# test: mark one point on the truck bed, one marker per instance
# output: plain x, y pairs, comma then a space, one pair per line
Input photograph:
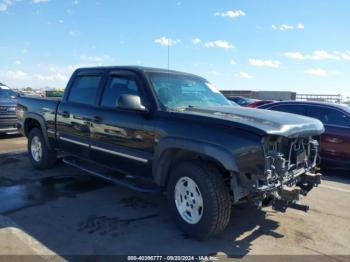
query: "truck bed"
43, 108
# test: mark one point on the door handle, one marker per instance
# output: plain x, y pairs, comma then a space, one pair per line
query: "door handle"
97, 119
65, 114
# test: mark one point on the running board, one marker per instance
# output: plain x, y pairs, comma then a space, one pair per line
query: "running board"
122, 180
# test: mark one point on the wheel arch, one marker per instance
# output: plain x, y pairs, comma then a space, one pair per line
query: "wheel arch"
33, 120
172, 150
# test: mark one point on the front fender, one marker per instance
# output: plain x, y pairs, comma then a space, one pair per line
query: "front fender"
165, 145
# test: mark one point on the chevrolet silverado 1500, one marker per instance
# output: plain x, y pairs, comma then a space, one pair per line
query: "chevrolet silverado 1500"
156, 130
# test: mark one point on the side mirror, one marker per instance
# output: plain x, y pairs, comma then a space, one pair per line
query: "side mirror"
130, 102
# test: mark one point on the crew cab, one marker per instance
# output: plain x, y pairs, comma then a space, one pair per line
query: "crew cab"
7, 110
157, 130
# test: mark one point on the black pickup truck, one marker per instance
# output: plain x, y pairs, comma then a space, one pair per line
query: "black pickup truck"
156, 130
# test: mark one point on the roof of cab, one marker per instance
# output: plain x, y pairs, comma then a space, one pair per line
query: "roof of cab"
141, 69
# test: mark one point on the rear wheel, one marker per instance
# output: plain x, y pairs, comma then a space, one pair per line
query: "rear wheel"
199, 199
40, 155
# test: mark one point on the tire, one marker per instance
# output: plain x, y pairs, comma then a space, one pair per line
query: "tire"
216, 200
47, 158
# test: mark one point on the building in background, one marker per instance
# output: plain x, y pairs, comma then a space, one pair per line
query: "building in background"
320, 98
262, 95
283, 95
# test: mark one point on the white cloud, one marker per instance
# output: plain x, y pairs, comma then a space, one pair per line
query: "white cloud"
231, 13
319, 55
343, 55
295, 55
15, 75
17, 62
315, 72
284, 27
5, 4
39, 1
213, 73
219, 44
268, 63
94, 59
320, 72
196, 41
72, 33
164, 41
24, 51
233, 62
58, 77
245, 75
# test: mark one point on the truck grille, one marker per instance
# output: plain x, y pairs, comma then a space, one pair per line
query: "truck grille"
7, 110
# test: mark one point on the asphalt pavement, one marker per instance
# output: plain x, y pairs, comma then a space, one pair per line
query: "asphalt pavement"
64, 212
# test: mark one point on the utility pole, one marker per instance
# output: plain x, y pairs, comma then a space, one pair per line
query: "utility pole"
168, 54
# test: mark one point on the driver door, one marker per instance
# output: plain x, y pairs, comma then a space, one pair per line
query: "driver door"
122, 139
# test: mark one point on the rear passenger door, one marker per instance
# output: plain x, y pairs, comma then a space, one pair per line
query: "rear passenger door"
122, 139
335, 142
75, 114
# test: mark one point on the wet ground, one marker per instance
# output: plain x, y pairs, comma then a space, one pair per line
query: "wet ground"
68, 213
12, 143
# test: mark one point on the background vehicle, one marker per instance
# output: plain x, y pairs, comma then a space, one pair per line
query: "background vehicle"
8, 101
335, 142
242, 101
157, 130
258, 103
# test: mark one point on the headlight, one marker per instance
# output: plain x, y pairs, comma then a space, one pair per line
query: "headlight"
19, 112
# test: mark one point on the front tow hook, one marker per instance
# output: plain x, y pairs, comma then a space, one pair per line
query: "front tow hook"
311, 178
288, 197
308, 181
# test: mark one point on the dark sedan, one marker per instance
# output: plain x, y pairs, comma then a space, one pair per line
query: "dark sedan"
335, 142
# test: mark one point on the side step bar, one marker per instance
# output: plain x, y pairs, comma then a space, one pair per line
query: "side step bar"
128, 182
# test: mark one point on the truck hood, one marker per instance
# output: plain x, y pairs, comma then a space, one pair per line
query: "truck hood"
263, 121
7, 101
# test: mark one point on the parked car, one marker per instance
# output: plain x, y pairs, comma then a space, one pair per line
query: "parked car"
242, 101
156, 130
335, 142
258, 103
8, 101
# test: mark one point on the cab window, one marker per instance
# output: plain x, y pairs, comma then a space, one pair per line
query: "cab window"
84, 90
329, 116
117, 86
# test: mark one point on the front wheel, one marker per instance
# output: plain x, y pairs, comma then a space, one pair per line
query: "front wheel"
199, 199
40, 155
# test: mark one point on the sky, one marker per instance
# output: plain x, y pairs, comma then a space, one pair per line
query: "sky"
287, 45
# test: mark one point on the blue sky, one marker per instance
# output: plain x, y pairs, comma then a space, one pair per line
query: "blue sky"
290, 45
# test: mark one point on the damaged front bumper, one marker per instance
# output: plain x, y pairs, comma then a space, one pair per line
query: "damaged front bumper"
290, 172
280, 197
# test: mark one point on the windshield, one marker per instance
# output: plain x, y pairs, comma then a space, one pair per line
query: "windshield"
6, 92
183, 91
